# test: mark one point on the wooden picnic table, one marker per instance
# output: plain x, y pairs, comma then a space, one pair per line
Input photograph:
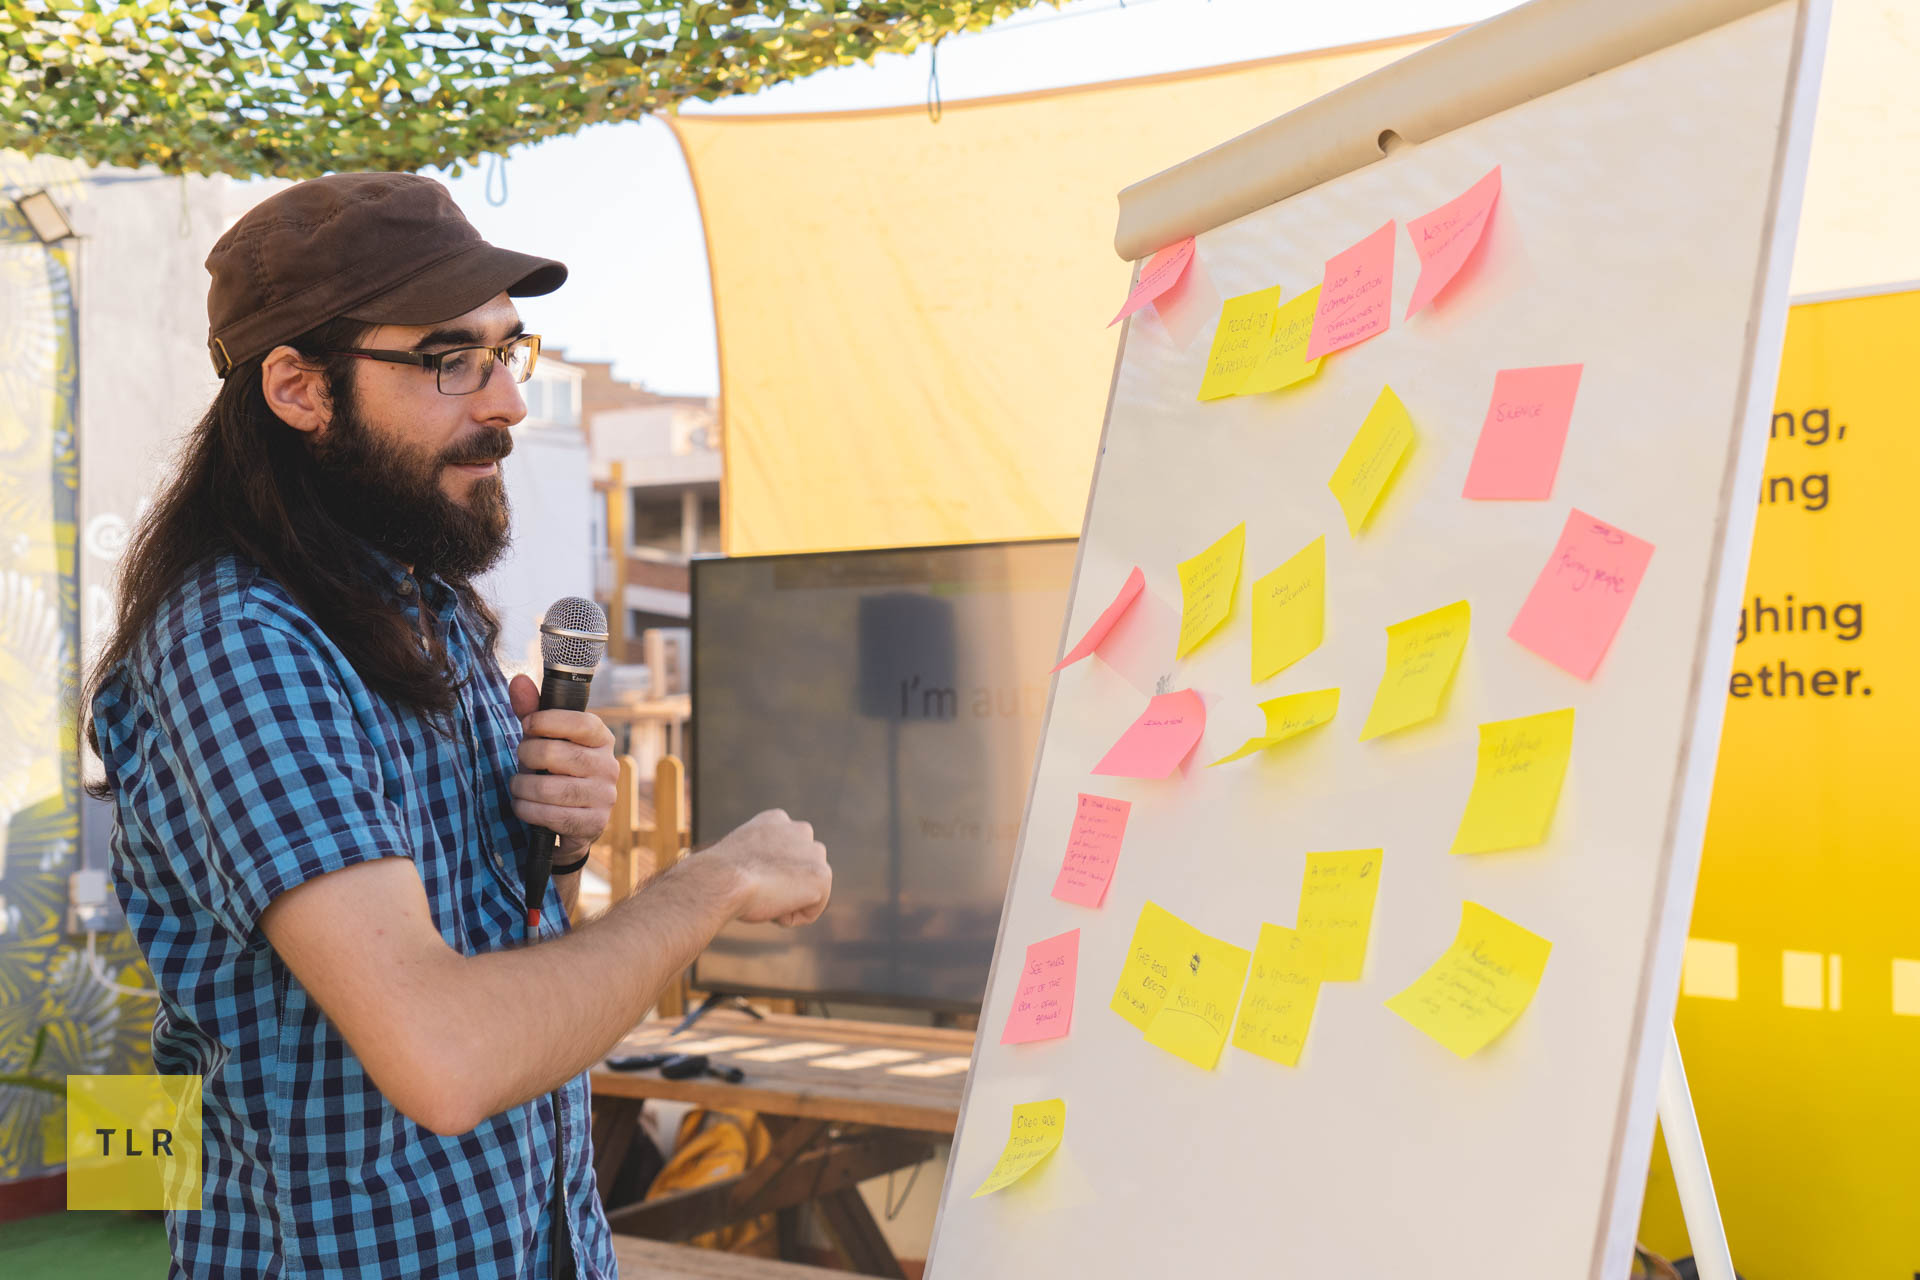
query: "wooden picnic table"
844, 1100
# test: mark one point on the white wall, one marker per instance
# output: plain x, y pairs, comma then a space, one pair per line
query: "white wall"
551, 490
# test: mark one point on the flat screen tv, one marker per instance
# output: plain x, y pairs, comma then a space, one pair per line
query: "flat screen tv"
892, 698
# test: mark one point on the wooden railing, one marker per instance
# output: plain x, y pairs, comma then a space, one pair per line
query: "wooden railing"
637, 850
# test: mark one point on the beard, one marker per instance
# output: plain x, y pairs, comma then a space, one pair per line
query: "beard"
389, 494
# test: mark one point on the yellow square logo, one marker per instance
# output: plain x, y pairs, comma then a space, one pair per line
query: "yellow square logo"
133, 1142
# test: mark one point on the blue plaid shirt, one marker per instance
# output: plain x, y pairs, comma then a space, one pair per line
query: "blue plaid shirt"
246, 756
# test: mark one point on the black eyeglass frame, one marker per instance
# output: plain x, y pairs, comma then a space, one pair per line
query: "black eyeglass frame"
433, 359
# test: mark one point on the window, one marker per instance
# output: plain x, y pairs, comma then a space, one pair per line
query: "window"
710, 523
656, 521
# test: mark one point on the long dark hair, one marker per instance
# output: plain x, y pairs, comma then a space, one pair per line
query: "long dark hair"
245, 483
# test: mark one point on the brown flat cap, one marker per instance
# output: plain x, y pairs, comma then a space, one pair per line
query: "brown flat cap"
387, 248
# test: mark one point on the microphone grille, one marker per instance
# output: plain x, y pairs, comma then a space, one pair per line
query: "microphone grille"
573, 634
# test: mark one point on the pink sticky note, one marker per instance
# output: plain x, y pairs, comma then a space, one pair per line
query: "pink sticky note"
1356, 295
1093, 847
1447, 237
1104, 623
1526, 427
1155, 744
1162, 272
1043, 1002
1582, 595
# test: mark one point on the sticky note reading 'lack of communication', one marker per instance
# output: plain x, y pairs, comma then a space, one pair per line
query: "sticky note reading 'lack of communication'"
1282, 988
1524, 434
1208, 583
1290, 611
1286, 717
1161, 941
1239, 342
1162, 272
1581, 597
1356, 295
1194, 1019
1036, 1132
1446, 238
1285, 362
1090, 642
1336, 906
1154, 745
1422, 655
1093, 850
1372, 459
1479, 986
1043, 1002
1516, 784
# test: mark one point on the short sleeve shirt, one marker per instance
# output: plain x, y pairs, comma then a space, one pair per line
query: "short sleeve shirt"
246, 757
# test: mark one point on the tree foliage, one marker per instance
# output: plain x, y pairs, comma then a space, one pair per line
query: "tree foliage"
296, 88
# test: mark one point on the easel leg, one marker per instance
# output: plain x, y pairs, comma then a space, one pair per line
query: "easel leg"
1690, 1177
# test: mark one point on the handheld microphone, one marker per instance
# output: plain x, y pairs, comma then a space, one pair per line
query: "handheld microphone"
573, 635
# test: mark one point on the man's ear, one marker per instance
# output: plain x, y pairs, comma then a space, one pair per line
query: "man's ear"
295, 390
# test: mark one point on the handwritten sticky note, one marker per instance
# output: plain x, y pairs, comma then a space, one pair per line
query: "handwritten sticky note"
1197, 1014
1290, 611
1282, 987
1581, 597
1285, 361
1097, 633
1479, 985
1208, 583
1240, 342
1287, 716
1524, 433
1516, 783
1422, 655
1043, 1002
1446, 238
1093, 849
1161, 940
1336, 906
1035, 1134
1356, 295
1372, 459
1155, 744
1162, 272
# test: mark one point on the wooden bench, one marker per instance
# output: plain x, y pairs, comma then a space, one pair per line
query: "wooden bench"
654, 1260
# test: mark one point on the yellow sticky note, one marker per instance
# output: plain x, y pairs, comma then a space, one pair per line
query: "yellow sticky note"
1294, 714
1239, 342
1036, 1132
1372, 459
1422, 655
1290, 611
1288, 967
1517, 782
1336, 906
1480, 984
1198, 1012
1207, 585
1161, 940
1285, 361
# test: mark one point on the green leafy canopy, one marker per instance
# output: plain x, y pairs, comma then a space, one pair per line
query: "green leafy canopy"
297, 88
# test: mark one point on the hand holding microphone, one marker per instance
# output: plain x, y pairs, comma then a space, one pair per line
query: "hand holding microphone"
567, 781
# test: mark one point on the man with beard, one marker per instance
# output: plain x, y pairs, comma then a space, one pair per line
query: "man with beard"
322, 783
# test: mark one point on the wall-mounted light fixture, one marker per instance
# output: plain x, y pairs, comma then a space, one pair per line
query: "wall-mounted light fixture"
45, 216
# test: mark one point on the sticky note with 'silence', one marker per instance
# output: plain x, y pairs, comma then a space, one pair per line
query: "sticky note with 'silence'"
1524, 433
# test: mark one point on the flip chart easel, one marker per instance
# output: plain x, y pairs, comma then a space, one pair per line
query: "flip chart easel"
1643, 230
1688, 1155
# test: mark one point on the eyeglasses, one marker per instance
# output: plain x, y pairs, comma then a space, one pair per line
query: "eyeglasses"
463, 370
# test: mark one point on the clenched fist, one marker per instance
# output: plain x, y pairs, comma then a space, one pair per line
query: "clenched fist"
782, 872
